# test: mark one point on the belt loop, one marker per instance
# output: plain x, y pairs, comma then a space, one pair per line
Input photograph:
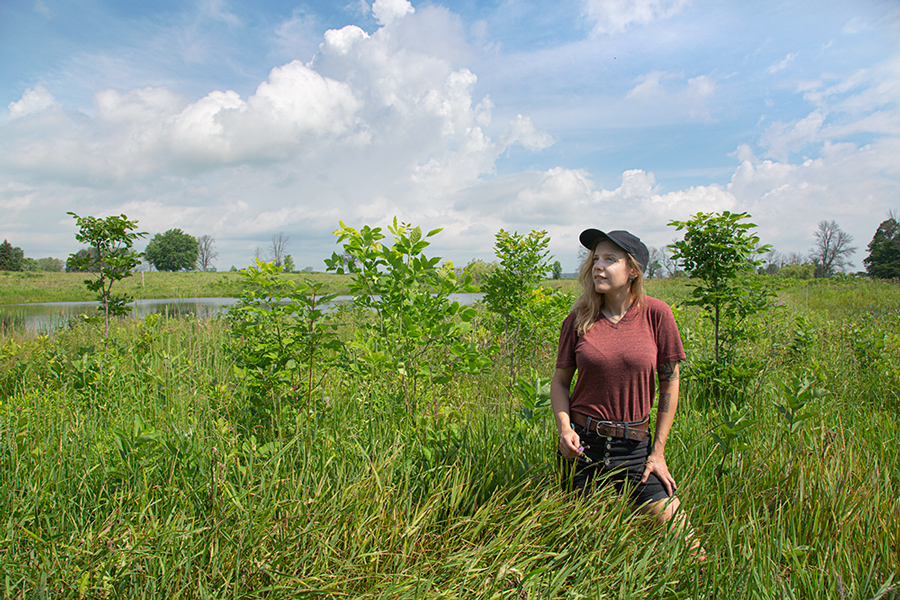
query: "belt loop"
626, 430
587, 424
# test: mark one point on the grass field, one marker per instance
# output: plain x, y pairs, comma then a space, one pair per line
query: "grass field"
25, 287
137, 469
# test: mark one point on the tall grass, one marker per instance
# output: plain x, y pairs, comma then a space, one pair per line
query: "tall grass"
141, 473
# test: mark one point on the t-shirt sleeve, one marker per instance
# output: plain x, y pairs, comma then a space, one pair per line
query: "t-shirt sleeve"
668, 339
565, 354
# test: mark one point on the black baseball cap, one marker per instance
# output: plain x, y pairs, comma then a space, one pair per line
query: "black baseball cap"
628, 242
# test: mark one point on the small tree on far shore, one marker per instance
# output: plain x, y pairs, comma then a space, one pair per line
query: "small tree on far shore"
11, 257
278, 247
206, 252
655, 265
173, 250
832, 251
668, 266
111, 258
557, 270
49, 264
883, 261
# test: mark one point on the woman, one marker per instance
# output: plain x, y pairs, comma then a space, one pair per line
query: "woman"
620, 342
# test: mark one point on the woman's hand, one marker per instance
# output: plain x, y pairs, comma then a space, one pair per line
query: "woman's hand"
569, 443
665, 415
656, 463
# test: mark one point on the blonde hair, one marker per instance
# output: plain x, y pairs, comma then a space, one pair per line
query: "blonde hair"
587, 307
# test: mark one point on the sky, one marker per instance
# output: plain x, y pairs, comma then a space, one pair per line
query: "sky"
242, 120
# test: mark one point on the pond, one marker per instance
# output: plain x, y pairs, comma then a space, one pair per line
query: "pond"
48, 316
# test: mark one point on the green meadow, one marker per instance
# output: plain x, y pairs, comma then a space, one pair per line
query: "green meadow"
40, 286
145, 466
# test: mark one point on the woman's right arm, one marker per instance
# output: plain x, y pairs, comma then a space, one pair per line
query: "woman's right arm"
569, 442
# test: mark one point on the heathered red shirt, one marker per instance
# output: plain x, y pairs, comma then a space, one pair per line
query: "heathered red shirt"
616, 363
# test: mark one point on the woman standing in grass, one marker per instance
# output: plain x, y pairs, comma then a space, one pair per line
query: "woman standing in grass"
620, 342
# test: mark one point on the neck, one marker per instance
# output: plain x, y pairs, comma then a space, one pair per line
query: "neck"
617, 303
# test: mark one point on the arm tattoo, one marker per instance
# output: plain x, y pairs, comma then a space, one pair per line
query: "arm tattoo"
668, 371
664, 399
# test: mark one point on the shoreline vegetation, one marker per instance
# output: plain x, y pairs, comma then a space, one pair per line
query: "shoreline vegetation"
839, 294
139, 465
36, 286
25, 287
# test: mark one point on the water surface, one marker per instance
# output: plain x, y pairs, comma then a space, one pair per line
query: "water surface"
39, 317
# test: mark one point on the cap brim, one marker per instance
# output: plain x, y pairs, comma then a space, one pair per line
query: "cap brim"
590, 237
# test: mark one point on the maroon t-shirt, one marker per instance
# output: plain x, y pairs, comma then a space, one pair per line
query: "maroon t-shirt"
616, 363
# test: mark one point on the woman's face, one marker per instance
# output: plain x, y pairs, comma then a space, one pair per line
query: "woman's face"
610, 271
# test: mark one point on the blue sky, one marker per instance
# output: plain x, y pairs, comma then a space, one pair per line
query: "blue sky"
242, 120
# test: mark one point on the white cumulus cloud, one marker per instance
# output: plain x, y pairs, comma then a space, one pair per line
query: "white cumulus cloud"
388, 11
523, 131
374, 125
341, 41
33, 100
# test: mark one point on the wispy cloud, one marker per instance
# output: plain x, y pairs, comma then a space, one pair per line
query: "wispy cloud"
617, 16
782, 64
673, 95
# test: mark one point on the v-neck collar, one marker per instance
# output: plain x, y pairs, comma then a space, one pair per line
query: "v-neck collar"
626, 317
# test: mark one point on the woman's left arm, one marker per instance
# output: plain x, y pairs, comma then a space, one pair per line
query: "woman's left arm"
665, 415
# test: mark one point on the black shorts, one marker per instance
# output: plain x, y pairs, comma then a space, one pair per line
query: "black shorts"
615, 461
